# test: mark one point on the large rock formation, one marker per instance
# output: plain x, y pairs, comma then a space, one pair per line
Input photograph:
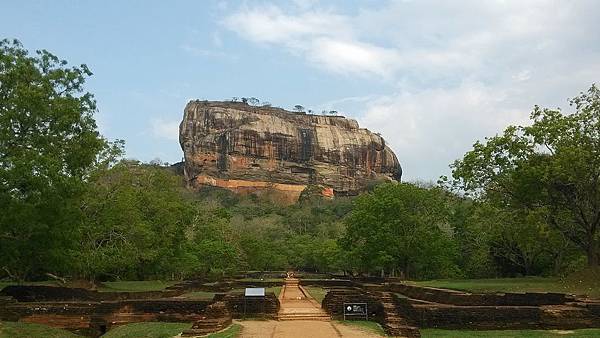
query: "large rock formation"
252, 149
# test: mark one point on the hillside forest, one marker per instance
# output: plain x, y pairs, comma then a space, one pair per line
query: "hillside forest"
523, 202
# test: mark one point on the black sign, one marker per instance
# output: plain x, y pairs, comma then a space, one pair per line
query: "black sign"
355, 310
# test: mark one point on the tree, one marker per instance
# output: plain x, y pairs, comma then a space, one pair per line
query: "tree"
298, 108
401, 227
134, 223
49, 144
551, 166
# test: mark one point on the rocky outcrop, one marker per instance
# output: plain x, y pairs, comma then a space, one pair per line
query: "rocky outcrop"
256, 149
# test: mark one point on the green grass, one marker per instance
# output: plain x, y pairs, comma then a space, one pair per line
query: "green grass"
316, 292
120, 286
147, 330
135, 286
27, 330
271, 280
275, 289
163, 330
366, 325
524, 284
199, 295
426, 333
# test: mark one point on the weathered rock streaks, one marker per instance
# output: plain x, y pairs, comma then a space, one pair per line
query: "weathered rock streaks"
251, 149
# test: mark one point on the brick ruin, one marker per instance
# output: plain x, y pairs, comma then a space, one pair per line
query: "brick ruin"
93, 313
401, 309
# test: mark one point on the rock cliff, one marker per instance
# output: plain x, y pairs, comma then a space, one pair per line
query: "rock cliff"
255, 149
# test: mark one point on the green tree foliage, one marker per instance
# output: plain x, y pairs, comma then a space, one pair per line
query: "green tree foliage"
49, 143
401, 227
134, 222
70, 209
551, 167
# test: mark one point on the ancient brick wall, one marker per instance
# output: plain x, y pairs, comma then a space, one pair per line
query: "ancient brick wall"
490, 299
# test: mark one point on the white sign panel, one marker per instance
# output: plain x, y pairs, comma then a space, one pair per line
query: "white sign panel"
254, 292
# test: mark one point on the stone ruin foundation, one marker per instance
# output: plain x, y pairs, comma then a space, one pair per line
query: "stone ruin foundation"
401, 309
92, 313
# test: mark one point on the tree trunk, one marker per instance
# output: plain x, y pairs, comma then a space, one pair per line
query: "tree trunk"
593, 256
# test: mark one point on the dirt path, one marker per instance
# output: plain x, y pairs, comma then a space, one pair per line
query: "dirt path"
301, 328
297, 304
300, 316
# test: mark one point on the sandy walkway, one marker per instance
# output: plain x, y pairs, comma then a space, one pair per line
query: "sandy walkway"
301, 328
294, 303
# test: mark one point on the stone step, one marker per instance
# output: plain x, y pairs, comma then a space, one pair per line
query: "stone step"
402, 331
303, 316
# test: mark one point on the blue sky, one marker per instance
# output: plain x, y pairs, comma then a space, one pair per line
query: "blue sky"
431, 76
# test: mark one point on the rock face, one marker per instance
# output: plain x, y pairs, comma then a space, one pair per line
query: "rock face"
251, 149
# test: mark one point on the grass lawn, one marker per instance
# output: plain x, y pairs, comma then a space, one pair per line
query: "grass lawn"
48, 283
147, 330
199, 295
275, 289
135, 286
163, 330
27, 330
426, 333
120, 286
367, 325
278, 280
316, 292
524, 284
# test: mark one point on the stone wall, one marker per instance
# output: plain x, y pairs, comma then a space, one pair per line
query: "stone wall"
503, 317
448, 309
327, 283
41, 293
241, 306
334, 300
94, 318
445, 296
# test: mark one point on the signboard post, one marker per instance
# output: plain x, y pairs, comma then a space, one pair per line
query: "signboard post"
356, 310
254, 294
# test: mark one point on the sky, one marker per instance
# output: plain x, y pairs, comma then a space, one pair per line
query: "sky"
431, 76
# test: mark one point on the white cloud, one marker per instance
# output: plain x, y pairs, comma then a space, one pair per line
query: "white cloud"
165, 129
349, 56
450, 72
429, 129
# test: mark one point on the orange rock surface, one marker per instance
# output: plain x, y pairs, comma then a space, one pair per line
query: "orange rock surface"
250, 149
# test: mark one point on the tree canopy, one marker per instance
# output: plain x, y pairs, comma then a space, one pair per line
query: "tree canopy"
401, 227
49, 144
551, 167
529, 201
